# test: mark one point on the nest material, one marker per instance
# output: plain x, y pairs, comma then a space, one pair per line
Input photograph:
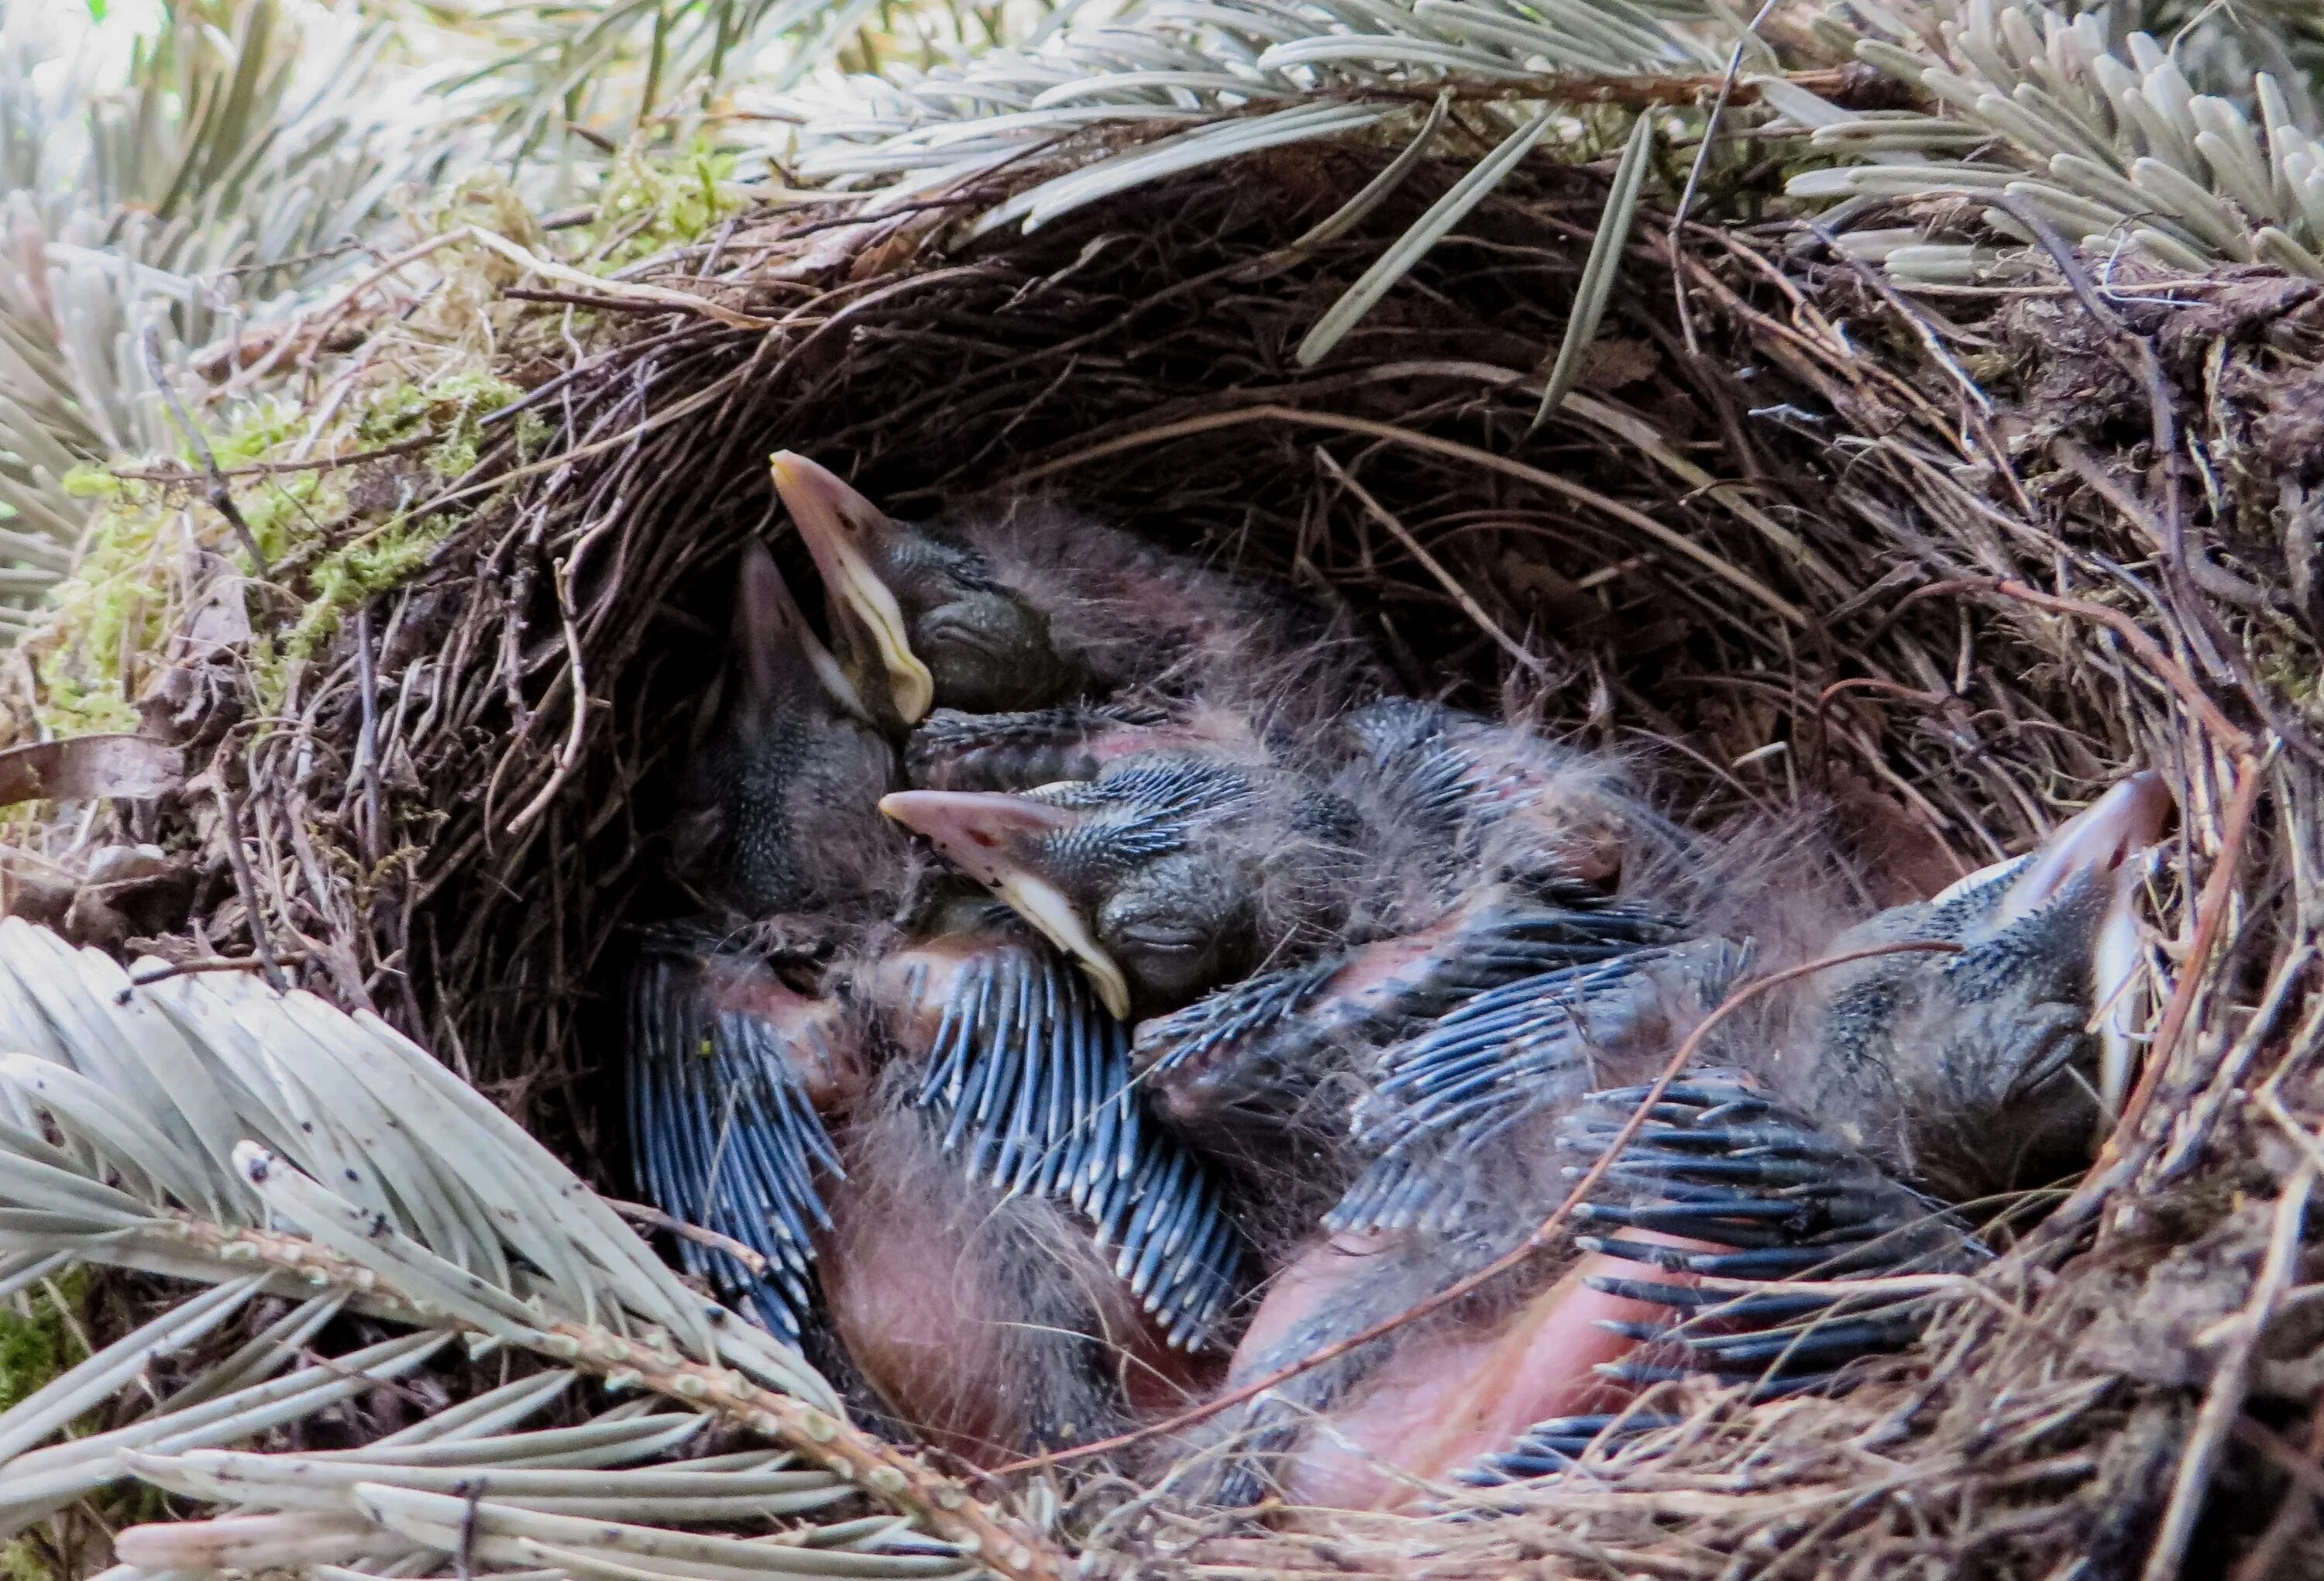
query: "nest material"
1945, 566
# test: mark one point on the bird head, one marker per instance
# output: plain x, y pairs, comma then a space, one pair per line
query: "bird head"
1994, 1060
780, 787
917, 612
1153, 876
780, 667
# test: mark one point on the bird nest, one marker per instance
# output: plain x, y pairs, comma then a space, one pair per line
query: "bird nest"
1942, 566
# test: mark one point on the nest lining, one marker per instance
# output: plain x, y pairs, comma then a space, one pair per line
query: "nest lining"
1912, 561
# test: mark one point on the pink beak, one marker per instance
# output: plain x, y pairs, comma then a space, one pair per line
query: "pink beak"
986, 835
837, 525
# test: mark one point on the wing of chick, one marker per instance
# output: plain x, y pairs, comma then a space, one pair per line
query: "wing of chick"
728, 1072
1018, 1255
987, 1323
1024, 1079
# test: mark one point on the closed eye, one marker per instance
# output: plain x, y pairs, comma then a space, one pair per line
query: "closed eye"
1162, 937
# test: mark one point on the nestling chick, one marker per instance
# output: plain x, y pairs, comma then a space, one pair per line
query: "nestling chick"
1022, 607
1489, 856
1017, 1256
1857, 1104
781, 797
1168, 874
948, 1024
729, 1066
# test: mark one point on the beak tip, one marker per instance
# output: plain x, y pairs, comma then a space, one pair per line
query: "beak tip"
1112, 991
913, 809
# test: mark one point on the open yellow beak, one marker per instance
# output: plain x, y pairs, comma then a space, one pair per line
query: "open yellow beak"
980, 832
835, 521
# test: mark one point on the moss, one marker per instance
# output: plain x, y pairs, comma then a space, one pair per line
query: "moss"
344, 578
320, 546
653, 201
37, 1344
534, 434
453, 405
21, 1560
114, 608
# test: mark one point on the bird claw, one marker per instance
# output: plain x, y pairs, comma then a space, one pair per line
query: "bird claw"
1031, 1078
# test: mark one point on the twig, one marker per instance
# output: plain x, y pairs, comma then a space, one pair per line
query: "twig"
2223, 1402
2193, 1124
2182, 553
639, 1213
2213, 579
1542, 1233
190, 968
570, 759
2166, 669
1727, 81
368, 733
230, 808
612, 290
2210, 915
463, 1552
1429, 563
271, 468
595, 302
220, 497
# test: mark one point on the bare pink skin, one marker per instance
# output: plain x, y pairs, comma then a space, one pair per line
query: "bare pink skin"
821, 1049
922, 1299
911, 1314
910, 988
1565, 809
1453, 1392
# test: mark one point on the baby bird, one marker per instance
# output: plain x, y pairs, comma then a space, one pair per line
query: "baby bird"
1312, 904
1829, 1126
1018, 1255
1062, 626
729, 1065
899, 1082
1168, 874
1492, 857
